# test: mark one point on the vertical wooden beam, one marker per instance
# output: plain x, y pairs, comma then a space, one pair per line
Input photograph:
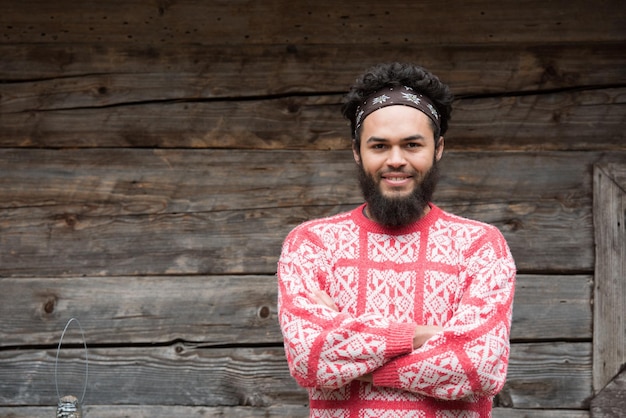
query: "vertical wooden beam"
609, 216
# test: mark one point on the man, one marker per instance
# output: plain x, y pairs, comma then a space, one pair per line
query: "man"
397, 308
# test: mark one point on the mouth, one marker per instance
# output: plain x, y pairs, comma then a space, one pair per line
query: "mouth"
396, 179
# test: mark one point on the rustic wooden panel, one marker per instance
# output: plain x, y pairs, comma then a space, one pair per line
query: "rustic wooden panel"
540, 376
220, 310
44, 76
270, 76
609, 336
325, 22
585, 119
121, 212
279, 411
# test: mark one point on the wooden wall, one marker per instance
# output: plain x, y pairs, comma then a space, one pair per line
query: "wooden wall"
154, 154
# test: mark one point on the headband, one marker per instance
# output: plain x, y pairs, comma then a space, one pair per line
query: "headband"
398, 95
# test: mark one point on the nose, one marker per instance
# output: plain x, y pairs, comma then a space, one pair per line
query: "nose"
396, 157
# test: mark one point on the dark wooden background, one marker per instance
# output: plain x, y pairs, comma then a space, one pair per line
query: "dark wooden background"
154, 154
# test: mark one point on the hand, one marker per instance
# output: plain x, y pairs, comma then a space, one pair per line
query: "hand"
321, 298
423, 333
366, 378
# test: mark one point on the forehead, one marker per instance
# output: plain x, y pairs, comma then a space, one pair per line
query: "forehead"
397, 120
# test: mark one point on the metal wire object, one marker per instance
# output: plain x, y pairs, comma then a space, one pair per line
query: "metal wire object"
69, 406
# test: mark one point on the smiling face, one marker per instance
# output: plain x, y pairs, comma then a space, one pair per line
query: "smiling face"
397, 157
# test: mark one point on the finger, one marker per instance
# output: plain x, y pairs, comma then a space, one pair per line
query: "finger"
325, 299
314, 299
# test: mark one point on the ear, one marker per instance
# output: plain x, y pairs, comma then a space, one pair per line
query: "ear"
439, 149
356, 153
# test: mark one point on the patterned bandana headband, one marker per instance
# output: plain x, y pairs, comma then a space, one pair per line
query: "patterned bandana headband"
398, 95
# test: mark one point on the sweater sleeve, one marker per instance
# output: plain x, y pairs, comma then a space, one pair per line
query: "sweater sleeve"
470, 356
325, 348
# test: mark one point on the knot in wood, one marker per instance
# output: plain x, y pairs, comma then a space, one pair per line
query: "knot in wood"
264, 312
70, 219
514, 225
49, 305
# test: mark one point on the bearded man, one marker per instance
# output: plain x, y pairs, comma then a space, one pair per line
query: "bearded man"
397, 308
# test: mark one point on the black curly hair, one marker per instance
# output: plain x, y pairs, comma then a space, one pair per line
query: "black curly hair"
398, 74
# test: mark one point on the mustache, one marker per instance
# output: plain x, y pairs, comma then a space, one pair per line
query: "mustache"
398, 171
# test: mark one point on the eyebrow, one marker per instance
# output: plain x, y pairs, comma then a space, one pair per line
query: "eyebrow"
416, 137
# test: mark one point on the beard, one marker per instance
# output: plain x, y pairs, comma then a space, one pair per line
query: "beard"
397, 212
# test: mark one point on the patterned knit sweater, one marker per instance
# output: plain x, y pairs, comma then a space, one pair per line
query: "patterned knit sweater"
443, 270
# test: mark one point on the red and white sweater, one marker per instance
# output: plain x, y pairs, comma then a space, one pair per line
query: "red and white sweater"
444, 270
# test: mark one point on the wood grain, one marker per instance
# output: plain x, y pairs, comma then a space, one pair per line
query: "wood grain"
52, 75
120, 212
154, 154
279, 411
568, 120
322, 22
611, 401
609, 205
540, 375
228, 310
118, 182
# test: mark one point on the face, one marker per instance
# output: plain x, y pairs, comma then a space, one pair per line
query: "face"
397, 159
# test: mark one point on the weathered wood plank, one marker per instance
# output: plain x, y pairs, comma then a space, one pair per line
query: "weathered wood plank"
567, 119
116, 182
278, 411
222, 310
553, 121
540, 376
325, 22
162, 411
545, 304
124, 212
609, 335
171, 375
539, 413
237, 242
548, 375
216, 310
45, 76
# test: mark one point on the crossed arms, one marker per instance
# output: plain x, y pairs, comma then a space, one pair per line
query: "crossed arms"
467, 355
